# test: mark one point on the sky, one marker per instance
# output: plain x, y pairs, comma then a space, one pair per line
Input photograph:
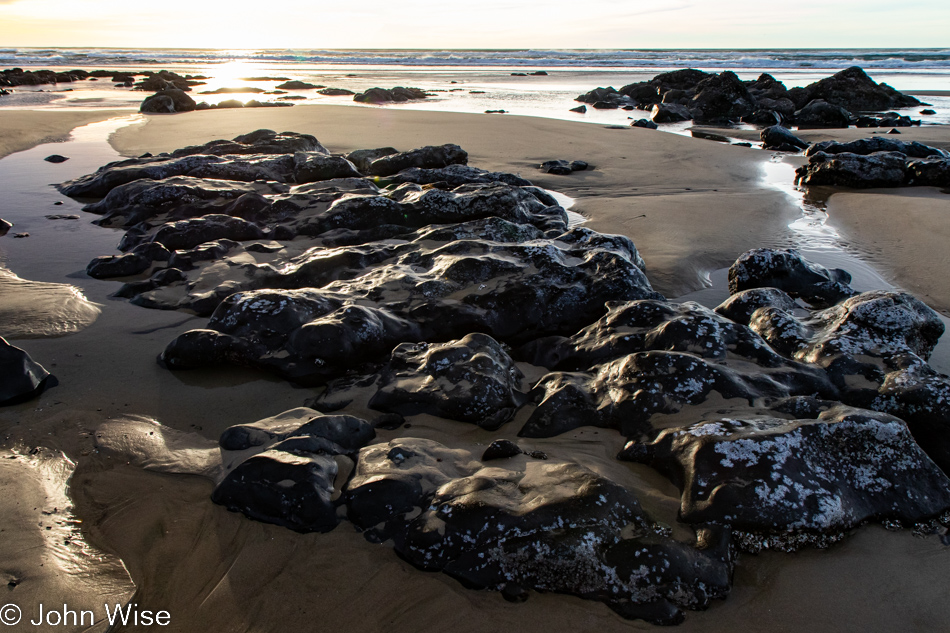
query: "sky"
466, 24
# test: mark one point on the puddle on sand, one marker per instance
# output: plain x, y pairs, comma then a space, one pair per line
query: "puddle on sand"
54, 246
33, 301
818, 243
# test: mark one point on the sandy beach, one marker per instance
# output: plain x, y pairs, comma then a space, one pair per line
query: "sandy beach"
139, 441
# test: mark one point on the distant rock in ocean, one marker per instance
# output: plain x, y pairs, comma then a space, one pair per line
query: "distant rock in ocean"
836, 101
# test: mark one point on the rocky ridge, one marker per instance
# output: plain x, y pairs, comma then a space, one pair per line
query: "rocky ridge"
846, 98
409, 283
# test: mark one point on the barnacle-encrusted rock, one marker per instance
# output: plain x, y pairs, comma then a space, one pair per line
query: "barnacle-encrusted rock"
787, 270
543, 525
470, 380
824, 475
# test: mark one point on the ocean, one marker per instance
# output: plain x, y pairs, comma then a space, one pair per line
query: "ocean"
464, 80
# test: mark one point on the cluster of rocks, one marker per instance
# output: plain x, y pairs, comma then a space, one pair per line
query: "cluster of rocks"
874, 162
13, 77
689, 94
406, 283
390, 95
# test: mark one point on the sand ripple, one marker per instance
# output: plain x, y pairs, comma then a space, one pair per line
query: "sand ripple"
36, 309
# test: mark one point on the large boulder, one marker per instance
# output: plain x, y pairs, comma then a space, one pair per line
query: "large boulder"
818, 476
670, 113
781, 139
881, 169
722, 98
168, 101
854, 91
547, 525
822, 114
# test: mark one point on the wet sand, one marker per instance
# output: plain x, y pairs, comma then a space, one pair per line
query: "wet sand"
141, 487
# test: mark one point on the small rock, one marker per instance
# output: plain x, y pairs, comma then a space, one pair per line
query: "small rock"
21, 235
56, 158
644, 123
5, 226
581, 108
501, 449
893, 130
928, 111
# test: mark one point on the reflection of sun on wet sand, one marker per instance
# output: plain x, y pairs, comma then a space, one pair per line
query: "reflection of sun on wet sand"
36, 309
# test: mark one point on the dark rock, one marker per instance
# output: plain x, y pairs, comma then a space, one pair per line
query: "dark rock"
880, 169
229, 103
21, 235
608, 96
5, 227
190, 233
458, 175
557, 167
169, 100
496, 111
501, 449
56, 158
670, 113
109, 266
538, 73
470, 380
721, 98
605, 105
928, 111
335, 92
866, 146
429, 157
315, 166
298, 85
787, 270
283, 488
893, 131
709, 136
780, 138
363, 157
763, 117
929, 172
853, 90
581, 108
553, 526
821, 114
165, 80
21, 378
801, 476
644, 123
394, 95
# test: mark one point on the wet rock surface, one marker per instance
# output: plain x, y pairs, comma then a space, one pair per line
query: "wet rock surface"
410, 290
21, 378
839, 101
874, 162
390, 95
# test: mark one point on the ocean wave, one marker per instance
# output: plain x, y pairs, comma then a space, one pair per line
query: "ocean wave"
903, 59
